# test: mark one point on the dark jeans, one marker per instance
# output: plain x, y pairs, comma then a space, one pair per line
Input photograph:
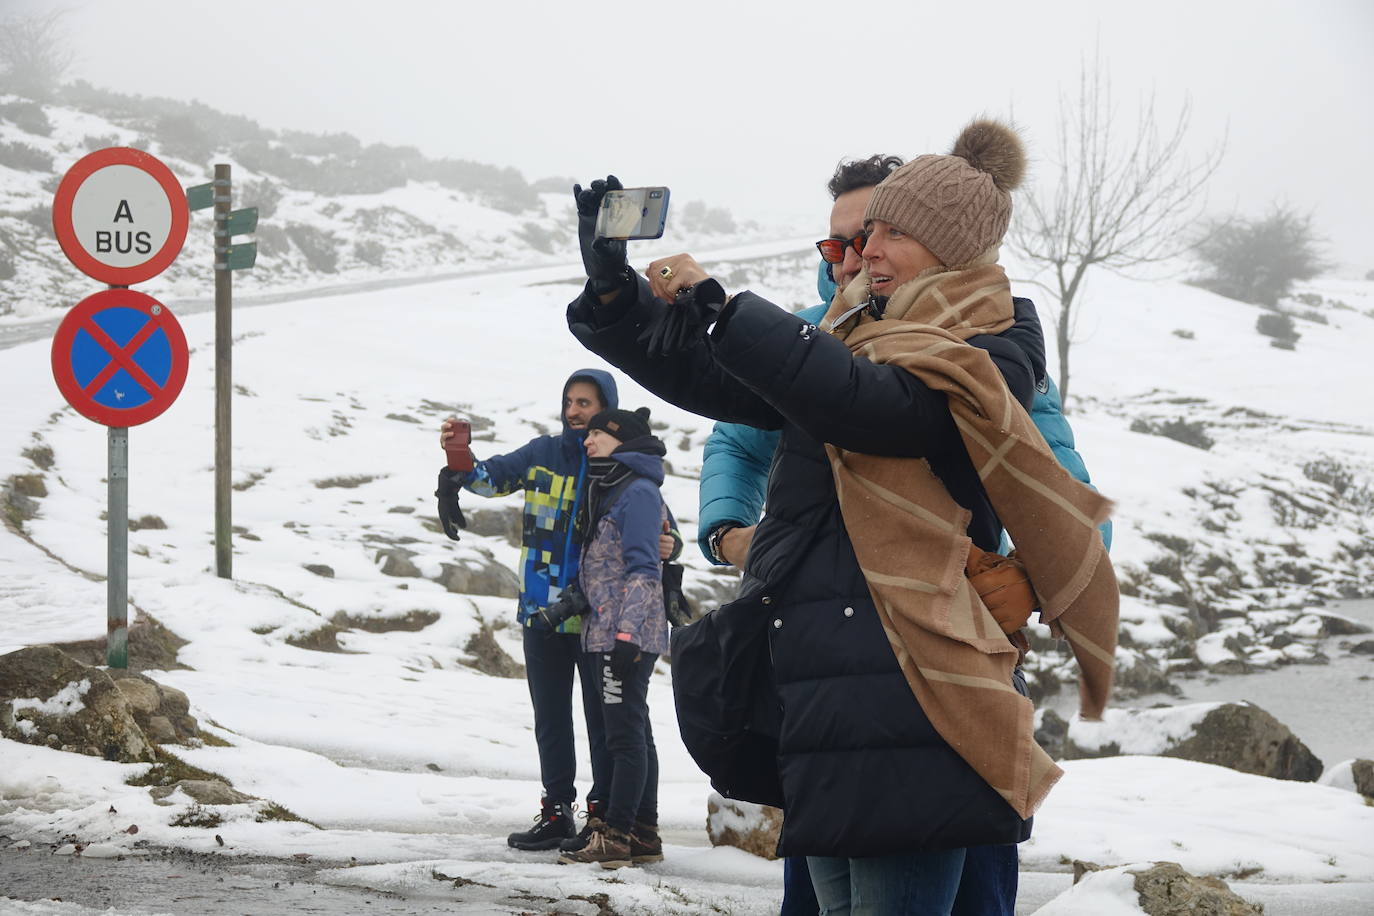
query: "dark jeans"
907, 884
550, 659
798, 896
624, 711
988, 885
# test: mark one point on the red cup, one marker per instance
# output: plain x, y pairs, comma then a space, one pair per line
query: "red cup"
456, 446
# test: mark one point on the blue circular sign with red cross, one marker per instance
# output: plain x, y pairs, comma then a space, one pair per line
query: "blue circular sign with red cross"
119, 357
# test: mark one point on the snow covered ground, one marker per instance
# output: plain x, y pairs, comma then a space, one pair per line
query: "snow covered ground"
413, 765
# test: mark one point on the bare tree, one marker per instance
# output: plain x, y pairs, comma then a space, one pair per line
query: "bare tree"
34, 55
1119, 200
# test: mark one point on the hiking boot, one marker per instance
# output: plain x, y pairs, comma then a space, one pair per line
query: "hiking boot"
606, 846
553, 825
595, 814
645, 844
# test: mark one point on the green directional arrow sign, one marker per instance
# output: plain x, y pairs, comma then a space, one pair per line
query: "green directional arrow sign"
238, 257
242, 221
200, 196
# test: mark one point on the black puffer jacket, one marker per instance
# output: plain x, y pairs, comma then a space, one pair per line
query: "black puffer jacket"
863, 772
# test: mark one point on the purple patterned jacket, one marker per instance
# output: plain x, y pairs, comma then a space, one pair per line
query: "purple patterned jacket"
620, 570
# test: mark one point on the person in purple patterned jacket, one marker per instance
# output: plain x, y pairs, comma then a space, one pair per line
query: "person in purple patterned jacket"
621, 516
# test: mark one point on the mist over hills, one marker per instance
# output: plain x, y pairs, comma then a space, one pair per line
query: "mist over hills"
331, 209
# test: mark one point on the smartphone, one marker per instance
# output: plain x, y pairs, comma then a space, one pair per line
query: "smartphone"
633, 213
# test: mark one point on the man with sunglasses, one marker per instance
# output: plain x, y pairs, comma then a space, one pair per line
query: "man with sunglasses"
734, 476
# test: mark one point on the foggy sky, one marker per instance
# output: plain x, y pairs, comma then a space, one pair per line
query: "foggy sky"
750, 105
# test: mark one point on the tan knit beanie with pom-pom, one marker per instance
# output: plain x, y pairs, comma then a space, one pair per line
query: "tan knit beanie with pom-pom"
959, 205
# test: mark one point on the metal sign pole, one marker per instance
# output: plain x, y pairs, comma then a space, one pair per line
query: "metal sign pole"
117, 565
224, 339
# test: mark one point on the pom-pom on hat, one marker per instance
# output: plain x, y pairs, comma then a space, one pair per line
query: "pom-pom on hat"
958, 205
623, 424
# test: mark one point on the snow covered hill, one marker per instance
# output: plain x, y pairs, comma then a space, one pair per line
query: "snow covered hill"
330, 211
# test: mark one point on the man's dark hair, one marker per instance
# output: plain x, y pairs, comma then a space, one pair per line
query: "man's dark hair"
861, 173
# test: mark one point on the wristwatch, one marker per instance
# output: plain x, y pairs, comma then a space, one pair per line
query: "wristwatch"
713, 541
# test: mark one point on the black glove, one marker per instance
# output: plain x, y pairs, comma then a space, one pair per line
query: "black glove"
603, 259
450, 516
685, 319
623, 659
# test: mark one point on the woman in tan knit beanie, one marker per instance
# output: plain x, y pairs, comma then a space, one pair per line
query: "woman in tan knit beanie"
885, 720
948, 211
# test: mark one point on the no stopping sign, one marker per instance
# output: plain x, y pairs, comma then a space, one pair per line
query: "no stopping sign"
119, 357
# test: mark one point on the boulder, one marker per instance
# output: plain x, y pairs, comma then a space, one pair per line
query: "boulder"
49, 698
204, 791
1340, 625
488, 657
1138, 674
506, 522
485, 577
162, 712
1352, 776
1162, 889
1363, 773
1050, 733
1240, 736
744, 825
395, 561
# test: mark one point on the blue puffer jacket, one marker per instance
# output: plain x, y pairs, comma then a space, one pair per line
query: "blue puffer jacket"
736, 460
550, 469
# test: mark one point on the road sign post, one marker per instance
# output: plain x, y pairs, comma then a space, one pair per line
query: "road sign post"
228, 258
117, 550
224, 378
119, 357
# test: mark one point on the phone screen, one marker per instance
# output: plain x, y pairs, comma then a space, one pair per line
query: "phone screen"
633, 213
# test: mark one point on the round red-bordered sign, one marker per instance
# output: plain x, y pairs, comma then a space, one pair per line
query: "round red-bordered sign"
119, 357
120, 215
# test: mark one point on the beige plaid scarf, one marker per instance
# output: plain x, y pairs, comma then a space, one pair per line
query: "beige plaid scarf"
909, 534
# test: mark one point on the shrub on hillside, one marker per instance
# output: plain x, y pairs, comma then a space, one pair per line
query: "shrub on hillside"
1280, 327
27, 116
272, 240
319, 247
265, 194
1260, 260
1180, 430
184, 136
697, 217
370, 252
25, 158
92, 142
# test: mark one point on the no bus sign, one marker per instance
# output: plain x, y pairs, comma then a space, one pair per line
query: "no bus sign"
120, 216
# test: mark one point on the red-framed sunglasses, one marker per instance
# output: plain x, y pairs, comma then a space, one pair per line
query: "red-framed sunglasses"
832, 250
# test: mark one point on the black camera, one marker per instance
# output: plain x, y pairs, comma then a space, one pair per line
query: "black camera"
571, 603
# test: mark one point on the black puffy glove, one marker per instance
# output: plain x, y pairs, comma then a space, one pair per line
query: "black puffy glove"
603, 259
623, 659
450, 516
685, 319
